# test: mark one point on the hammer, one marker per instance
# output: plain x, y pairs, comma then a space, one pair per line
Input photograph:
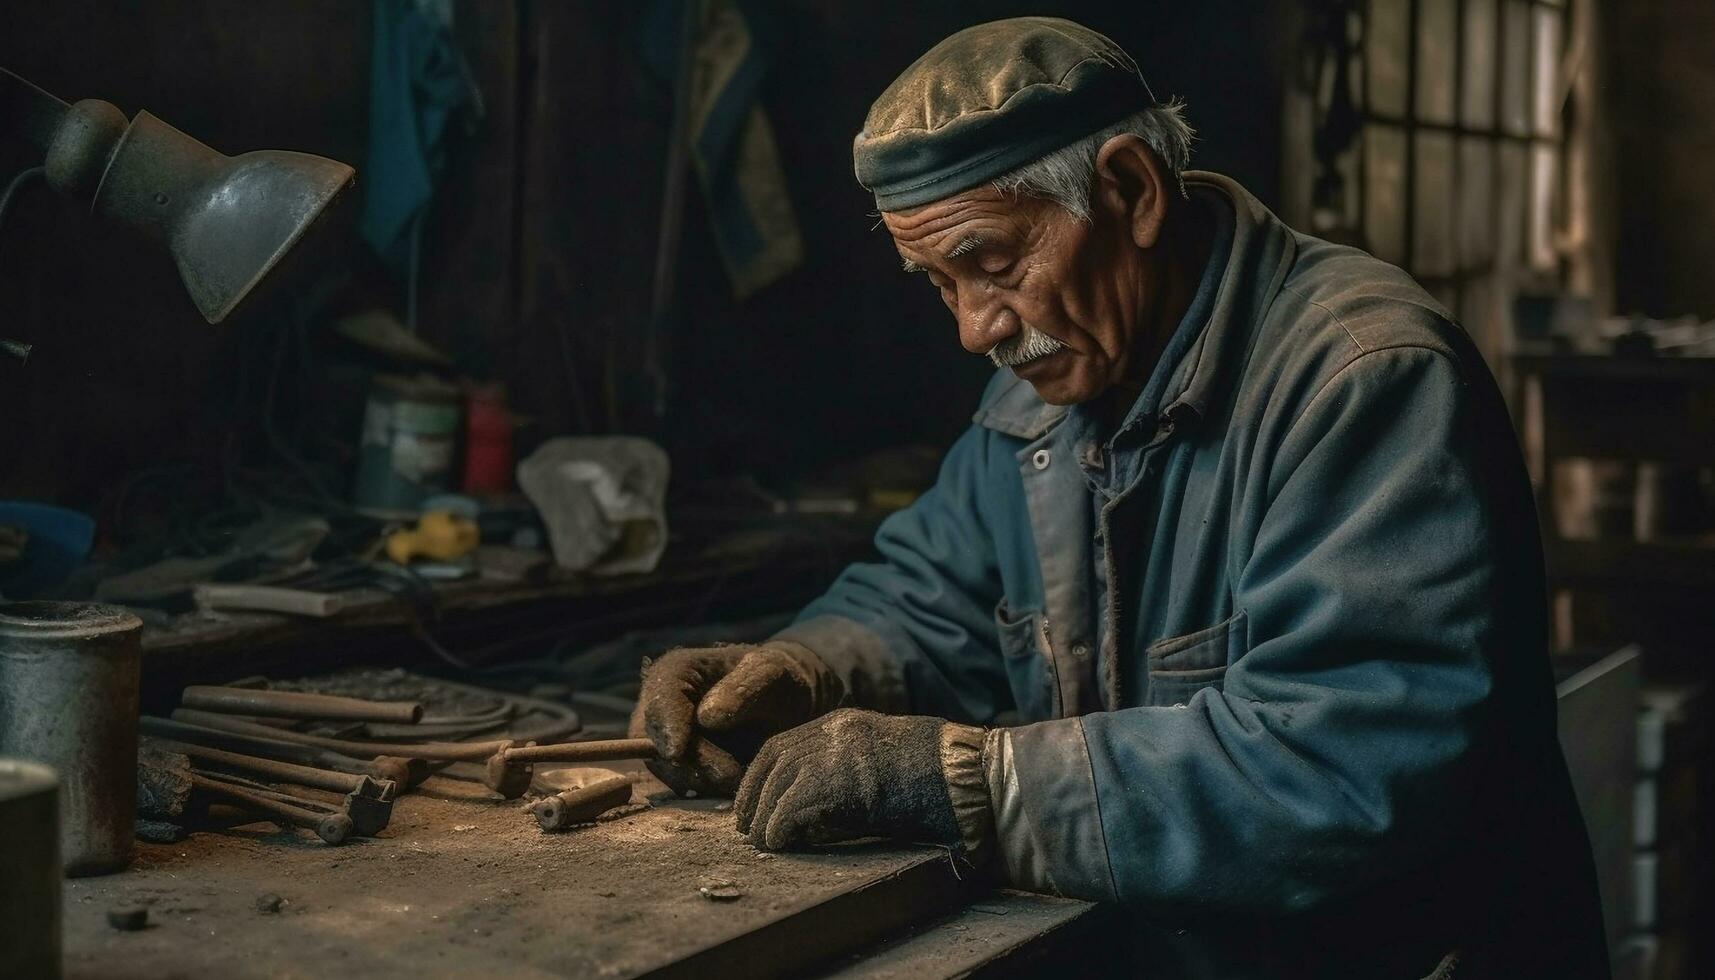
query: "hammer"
369, 803
166, 788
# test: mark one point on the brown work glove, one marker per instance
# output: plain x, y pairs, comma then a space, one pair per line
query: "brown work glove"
708, 708
854, 773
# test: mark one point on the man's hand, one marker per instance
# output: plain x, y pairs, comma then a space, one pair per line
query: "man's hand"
693, 698
861, 774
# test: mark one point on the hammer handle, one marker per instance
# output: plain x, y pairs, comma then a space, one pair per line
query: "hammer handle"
583, 804
256, 745
602, 750
288, 772
331, 827
298, 704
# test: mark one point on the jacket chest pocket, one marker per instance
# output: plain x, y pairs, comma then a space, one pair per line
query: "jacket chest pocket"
1180, 666
1024, 649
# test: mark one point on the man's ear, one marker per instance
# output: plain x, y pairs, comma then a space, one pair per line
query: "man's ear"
1132, 185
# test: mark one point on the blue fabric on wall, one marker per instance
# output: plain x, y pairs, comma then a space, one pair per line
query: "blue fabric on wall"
417, 84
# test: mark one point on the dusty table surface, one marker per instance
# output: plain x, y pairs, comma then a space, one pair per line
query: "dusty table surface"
458, 885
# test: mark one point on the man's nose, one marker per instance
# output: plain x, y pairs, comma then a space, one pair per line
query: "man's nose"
984, 321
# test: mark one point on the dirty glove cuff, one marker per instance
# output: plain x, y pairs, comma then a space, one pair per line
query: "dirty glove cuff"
967, 788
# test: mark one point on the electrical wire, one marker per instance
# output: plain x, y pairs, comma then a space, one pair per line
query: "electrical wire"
15, 185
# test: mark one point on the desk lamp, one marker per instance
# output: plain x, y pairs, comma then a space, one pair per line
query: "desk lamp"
226, 221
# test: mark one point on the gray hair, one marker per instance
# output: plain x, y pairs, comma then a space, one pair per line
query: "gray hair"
1067, 175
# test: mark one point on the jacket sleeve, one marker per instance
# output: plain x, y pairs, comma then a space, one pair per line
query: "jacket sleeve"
1340, 741
915, 631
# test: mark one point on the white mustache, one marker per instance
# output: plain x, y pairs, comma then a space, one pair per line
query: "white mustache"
1023, 348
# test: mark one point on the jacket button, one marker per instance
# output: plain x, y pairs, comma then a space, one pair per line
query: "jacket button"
1040, 459
1080, 650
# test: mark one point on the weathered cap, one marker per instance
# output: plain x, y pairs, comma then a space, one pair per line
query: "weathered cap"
988, 100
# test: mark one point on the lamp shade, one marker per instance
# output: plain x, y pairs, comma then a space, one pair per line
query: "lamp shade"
226, 220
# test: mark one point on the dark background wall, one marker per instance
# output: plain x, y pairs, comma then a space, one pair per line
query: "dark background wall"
1661, 105
538, 256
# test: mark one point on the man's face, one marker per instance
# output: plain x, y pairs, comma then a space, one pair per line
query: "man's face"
1055, 299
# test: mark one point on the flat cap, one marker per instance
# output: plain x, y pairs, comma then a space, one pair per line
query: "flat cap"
988, 100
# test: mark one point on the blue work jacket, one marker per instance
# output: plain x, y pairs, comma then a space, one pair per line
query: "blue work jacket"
1269, 665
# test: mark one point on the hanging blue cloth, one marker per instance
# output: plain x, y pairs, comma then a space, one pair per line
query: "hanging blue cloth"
418, 82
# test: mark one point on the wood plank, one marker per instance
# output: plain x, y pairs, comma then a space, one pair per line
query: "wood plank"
1003, 933
461, 886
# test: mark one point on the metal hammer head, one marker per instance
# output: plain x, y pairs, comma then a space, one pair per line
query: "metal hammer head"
406, 772
509, 779
369, 806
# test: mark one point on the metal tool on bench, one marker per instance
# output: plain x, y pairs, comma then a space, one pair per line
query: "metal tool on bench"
298, 704
167, 788
333, 828
507, 764
515, 766
268, 792
583, 804
506, 785
406, 773
368, 802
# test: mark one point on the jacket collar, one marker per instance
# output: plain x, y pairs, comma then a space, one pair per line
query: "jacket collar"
1262, 251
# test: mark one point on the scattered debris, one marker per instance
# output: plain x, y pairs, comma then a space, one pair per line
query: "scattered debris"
724, 891
269, 903
464, 826
128, 918
723, 807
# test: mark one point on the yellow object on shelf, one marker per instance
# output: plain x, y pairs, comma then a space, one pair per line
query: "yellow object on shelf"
440, 535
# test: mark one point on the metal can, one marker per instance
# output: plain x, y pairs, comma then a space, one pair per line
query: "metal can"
29, 870
405, 454
69, 674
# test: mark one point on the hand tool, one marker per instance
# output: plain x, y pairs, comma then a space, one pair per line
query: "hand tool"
405, 773
512, 767
298, 704
509, 782
166, 788
304, 803
583, 804
368, 802
330, 827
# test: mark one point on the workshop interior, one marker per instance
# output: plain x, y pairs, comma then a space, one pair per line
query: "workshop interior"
479, 496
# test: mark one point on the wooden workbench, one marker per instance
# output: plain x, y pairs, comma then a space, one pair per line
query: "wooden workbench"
463, 885
459, 885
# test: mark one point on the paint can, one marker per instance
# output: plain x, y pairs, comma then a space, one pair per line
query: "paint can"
29, 870
69, 674
410, 426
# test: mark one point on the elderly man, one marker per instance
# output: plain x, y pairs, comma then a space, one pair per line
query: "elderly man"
1238, 566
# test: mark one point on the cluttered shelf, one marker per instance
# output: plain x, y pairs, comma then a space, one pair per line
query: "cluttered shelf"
713, 567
